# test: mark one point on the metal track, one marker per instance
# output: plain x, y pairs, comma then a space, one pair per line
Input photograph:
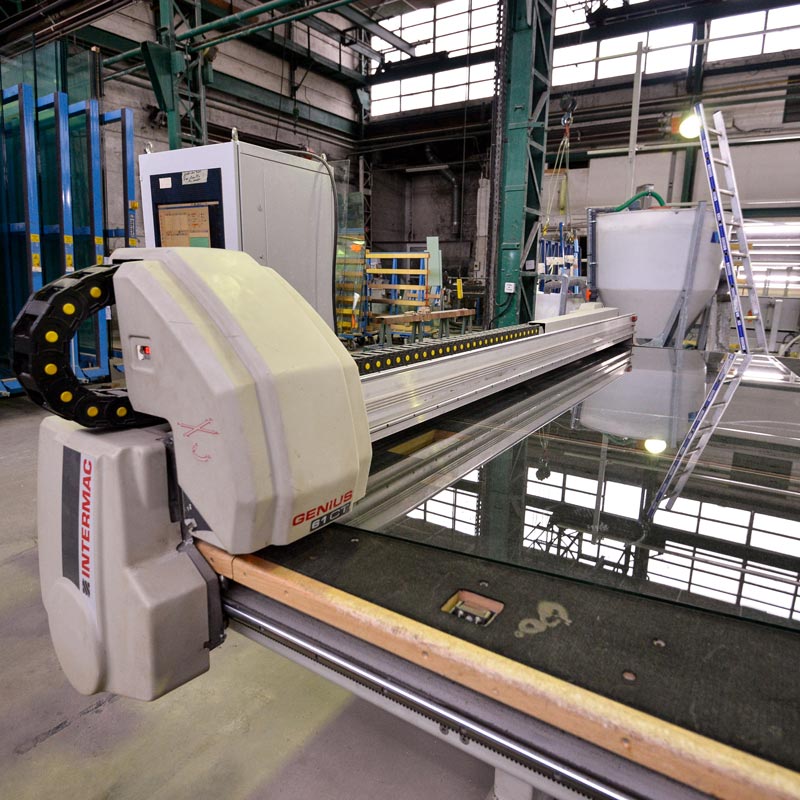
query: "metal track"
378, 359
390, 689
412, 393
403, 485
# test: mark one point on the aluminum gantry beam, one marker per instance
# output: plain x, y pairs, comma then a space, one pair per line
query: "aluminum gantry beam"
405, 396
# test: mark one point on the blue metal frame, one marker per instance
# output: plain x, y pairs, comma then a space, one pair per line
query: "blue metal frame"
96, 177
129, 177
22, 169
125, 117
93, 363
30, 225
64, 230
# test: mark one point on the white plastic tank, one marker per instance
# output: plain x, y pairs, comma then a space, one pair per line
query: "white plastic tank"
642, 264
657, 399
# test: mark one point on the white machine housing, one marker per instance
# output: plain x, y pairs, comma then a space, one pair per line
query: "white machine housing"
127, 611
271, 437
279, 208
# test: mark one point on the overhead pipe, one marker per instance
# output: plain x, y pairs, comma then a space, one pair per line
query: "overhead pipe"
448, 173
231, 19
46, 17
214, 25
638, 196
40, 13
292, 16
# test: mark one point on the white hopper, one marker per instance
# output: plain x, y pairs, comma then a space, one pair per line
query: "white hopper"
642, 262
657, 399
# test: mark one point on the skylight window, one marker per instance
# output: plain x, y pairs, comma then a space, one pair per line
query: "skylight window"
458, 27
678, 39
741, 45
782, 40
623, 64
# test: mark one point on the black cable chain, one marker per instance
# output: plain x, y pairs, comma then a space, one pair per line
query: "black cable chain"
43, 334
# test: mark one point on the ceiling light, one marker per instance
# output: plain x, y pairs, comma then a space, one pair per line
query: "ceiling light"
655, 446
690, 126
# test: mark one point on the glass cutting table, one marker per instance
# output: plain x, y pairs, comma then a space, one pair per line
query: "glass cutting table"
506, 564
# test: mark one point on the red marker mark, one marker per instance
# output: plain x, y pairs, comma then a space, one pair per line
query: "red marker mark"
203, 458
201, 428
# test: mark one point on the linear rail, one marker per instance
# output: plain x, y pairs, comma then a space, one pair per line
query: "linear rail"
414, 392
539, 762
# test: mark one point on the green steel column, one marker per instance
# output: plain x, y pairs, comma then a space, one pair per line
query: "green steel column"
529, 42
502, 492
166, 37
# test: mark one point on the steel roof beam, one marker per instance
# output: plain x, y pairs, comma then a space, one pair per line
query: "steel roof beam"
661, 14
363, 21
341, 36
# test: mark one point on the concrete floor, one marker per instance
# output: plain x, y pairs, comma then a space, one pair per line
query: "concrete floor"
256, 726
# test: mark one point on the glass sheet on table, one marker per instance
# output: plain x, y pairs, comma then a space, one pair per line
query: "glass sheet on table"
558, 476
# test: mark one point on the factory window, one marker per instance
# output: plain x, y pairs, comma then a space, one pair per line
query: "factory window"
621, 64
571, 14
778, 20
668, 49
776, 534
665, 49
574, 64
459, 27
740, 578
741, 45
671, 49
453, 509
541, 533
745, 581
622, 499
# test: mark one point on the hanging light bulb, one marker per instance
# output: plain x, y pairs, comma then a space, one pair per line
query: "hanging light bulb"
690, 126
655, 446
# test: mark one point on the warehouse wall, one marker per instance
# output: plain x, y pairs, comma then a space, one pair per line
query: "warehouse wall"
248, 63
239, 60
424, 203
389, 225
766, 173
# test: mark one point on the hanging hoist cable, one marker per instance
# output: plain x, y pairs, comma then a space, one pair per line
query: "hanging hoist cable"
561, 164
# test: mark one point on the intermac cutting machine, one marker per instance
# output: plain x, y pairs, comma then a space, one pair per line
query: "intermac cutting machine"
245, 423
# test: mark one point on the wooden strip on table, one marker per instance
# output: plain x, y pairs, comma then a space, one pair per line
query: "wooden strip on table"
417, 287
370, 254
398, 271
388, 301
687, 757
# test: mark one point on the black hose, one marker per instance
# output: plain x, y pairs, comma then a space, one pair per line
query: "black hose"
502, 310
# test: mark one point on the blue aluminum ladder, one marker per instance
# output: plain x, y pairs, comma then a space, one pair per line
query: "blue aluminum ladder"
701, 430
732, 236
